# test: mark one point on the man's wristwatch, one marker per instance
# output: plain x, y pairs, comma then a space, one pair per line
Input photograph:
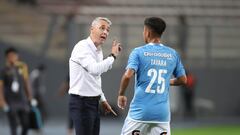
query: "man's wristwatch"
112, 55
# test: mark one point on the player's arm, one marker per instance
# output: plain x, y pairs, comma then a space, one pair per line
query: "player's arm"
182, 80
122, 99
179, 73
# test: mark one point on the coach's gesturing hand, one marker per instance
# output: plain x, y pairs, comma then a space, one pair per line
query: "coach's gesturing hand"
107, 108
116, 48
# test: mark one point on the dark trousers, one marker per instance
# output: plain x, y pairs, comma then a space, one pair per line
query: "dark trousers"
13, 117
70, 122
84, 112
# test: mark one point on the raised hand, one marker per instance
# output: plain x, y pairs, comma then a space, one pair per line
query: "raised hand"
116, 47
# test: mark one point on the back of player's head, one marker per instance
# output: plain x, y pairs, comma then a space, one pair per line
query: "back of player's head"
10, 50
156, 24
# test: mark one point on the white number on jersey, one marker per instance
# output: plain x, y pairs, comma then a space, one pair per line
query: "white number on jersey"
160, 80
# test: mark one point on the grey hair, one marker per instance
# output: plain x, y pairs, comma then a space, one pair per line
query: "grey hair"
97, 19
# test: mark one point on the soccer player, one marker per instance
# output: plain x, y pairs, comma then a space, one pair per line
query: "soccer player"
153, 66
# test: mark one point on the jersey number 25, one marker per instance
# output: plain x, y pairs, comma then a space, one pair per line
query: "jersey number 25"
156, 75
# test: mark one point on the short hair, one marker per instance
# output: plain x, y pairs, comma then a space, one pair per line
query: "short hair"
156, 24
97, 19
10, 50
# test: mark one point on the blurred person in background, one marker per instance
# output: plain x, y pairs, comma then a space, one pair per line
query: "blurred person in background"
86, 65
153, 66
15, 93
188, 91
63, 90
38, 83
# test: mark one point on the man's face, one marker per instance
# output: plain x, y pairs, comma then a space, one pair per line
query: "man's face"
100, 32
12, 57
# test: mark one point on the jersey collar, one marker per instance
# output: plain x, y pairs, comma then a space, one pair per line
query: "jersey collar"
155, 44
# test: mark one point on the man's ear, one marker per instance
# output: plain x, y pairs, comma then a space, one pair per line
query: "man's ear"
148, 33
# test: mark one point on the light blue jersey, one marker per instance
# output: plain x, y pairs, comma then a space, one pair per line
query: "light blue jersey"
154, 65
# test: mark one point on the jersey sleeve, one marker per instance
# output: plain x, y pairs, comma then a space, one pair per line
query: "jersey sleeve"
179, 70
133, 61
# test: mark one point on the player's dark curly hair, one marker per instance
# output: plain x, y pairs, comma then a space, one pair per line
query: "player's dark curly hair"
156, 24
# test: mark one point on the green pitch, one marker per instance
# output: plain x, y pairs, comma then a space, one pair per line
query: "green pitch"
214, 130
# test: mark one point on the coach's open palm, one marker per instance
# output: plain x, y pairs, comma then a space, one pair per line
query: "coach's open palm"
107, 108
116, 47
122, 102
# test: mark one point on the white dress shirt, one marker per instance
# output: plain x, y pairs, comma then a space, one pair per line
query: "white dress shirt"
86, 65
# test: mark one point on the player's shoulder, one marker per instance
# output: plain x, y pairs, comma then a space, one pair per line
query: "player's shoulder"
141, 47
169, 49
137, 49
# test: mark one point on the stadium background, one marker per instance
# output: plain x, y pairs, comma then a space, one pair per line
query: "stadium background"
206, 33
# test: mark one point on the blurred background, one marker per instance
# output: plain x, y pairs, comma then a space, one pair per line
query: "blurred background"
205, 32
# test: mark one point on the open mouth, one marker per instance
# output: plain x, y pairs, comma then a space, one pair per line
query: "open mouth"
103, 37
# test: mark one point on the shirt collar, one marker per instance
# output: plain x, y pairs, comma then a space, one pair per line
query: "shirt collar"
92, 45
155, 44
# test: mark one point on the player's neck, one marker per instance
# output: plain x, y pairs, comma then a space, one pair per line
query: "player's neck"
154, 40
